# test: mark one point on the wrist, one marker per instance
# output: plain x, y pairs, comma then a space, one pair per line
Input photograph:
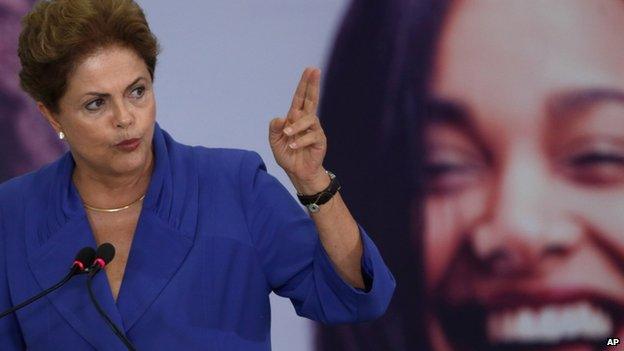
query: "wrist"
313, 201
313, 185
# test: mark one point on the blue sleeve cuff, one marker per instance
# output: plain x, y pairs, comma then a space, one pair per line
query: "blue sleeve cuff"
368, 303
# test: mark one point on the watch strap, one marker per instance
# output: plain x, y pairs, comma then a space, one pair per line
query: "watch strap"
312, 202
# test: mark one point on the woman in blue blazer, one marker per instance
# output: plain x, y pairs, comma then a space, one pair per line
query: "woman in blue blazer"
202, 235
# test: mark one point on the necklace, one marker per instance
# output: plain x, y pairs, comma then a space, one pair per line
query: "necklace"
113, 209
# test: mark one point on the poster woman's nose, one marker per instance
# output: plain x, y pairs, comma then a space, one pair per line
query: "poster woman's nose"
524, 224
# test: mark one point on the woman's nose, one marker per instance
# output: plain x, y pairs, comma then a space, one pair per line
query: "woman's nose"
123, 116
524, 224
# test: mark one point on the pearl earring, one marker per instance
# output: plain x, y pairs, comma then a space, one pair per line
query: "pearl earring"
61, 135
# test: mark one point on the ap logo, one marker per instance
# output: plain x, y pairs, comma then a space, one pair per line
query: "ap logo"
613, 342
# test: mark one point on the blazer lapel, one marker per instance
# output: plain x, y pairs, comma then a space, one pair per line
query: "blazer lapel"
157, 253
51, 245
165, 231
163, 237
50, 262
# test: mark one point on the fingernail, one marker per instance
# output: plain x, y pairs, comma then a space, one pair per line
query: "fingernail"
288, 131
293, 145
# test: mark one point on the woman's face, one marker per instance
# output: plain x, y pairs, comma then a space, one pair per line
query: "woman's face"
525, 156
109, 100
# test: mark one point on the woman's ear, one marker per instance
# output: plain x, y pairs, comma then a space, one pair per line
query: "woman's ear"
49, 116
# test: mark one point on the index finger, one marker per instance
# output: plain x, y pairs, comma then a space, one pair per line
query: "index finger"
311, 100
300, 92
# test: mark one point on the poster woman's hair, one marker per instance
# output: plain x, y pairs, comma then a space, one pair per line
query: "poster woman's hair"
375, 86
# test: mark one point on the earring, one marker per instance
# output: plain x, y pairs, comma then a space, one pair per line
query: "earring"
61, 135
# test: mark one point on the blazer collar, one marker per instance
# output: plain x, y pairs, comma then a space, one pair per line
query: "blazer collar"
165, 230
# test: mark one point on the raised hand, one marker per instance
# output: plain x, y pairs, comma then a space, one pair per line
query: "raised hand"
299, 145
298, 141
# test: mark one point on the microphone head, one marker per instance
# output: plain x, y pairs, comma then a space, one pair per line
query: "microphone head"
84, 258
105, 252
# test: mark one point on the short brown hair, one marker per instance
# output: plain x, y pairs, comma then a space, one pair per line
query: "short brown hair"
57, 34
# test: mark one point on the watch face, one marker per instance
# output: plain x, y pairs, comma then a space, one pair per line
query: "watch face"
313, 207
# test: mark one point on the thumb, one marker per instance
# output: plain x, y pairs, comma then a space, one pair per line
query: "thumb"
277, 125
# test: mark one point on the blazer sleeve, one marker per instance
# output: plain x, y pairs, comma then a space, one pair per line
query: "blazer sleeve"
10, 334
293, 258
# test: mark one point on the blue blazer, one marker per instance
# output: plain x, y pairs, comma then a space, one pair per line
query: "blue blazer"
216, 235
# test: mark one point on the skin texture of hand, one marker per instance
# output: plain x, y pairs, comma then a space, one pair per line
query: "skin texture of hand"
299, 146
298, 141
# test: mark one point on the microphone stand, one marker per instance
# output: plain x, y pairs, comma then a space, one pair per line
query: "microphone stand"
83, 258
40, 295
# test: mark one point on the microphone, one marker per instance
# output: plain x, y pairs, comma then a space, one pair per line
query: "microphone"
83, 259
104, 255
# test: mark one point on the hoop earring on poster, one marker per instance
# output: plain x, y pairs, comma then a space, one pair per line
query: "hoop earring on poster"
61, 135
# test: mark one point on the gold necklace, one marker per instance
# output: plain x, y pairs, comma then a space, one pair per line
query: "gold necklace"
114, 209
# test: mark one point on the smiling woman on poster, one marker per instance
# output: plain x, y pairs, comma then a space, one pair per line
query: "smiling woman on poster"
202, 235
498, 127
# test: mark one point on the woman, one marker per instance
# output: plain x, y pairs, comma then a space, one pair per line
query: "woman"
202, 235
23, 131
498, 129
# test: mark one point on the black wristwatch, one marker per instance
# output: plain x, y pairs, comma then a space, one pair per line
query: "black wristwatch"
313, 202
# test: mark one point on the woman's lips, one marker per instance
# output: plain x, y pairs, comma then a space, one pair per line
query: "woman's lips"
129, 144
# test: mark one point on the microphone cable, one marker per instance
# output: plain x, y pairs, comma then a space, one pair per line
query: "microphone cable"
83, 259
105, 254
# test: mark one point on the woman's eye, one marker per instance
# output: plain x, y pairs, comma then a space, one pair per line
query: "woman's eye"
447, 177
94, 105
597, 168
138, 92
592, 159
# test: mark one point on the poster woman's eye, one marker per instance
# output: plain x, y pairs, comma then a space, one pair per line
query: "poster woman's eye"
453, 160
450, 171
596, 167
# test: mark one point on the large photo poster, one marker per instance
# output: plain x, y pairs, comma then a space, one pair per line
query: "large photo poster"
25, 138
483, 142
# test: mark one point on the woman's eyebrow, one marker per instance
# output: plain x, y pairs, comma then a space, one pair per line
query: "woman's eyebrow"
437, 110
578, 101
105, 95
100, 95
456, 114
134, 82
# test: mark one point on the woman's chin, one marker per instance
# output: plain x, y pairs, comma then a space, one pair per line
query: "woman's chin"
129, 163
